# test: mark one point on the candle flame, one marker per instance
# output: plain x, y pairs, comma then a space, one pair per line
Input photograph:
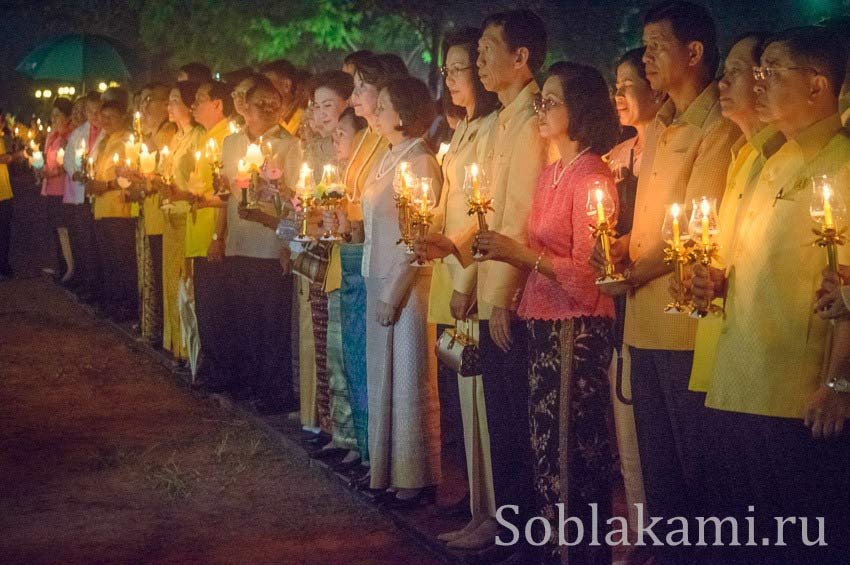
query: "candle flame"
674, 210
599, 196
827, 193
705, 207
115, 158
197, 155
164, 151
473, 169
144, 148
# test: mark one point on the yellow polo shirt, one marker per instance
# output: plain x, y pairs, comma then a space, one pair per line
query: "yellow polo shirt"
110, 204
747, 162
685, 157
771, 345
5, 182
200, 224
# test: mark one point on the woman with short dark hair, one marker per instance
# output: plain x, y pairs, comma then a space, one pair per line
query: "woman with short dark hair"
404, 412
569, 321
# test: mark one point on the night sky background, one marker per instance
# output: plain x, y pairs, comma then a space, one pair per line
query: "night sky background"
158, 36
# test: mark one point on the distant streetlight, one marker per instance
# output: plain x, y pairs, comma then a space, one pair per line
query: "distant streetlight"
102, 86
38, 94
47, 93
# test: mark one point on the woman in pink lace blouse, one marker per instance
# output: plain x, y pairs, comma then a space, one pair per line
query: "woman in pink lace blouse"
53, 183
569, 320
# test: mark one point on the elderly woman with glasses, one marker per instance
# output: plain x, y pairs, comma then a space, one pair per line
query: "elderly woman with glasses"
569, 321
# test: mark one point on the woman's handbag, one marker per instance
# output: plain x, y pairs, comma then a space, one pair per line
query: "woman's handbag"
459, 351
312, 263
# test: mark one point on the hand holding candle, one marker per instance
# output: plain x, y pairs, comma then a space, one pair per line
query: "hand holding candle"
677, 255
828, 209
600, 204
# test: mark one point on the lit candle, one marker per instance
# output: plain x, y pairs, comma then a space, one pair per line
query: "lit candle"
441, 154
115, 159
147, 161
197, 162
137, 122
828, 221
705, 208
131, 151
127, 162
78, 157
674, 211
37, 160
60, 157
212, 146
242, 174
600, 209
233, 127
254, 156
476, 190
91, 167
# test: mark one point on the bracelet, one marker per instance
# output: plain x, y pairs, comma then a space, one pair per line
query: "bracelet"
537, 263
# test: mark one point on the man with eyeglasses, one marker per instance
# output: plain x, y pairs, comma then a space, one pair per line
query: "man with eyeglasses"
778, 364
686, 156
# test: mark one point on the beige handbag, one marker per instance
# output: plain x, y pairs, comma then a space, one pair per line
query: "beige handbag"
312, 263
457, 349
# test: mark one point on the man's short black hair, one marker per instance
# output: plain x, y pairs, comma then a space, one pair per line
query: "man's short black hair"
759, 37
218, 90
355, 56
522, 28
816, 47
196, 72
690, 22
281, 67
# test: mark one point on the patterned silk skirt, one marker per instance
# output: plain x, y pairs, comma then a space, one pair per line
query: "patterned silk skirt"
571, 421
319, 308
173, 268
343, 425
353, 299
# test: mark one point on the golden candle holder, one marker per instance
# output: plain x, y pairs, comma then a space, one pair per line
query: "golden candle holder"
826, 206
422, 216
674, 232
705, 250
402, 183
306, 201
478, 201
600, 205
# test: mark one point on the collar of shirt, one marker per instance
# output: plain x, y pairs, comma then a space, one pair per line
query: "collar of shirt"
218, 131
523, 101
697, 111
811, 140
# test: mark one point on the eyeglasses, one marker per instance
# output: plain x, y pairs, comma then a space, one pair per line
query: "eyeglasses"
453, 72
770, 73
544, 105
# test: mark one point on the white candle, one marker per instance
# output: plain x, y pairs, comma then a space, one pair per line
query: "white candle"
37, 160
254, 156
60, 157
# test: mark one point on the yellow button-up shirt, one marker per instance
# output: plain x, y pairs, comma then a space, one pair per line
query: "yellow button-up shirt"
512, 154
200, 225
5, 183
748, 158
110, 204
685, 157
294, 122
771, 346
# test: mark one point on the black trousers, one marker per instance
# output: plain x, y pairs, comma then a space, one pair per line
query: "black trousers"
6, 214
261, 302
116, 244
451, 419
674, 437
505, 381
215, 319
54, 215
80, 223
779, 470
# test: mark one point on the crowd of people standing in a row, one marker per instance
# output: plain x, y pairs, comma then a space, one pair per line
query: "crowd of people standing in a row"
733, 416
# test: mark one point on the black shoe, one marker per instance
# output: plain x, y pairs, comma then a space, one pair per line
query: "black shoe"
320, 439
425, 497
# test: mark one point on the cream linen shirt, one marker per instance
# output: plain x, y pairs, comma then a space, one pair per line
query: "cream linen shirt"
512, 154
771, 347
685, 157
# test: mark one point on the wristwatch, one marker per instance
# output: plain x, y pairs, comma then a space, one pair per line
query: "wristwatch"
838, 384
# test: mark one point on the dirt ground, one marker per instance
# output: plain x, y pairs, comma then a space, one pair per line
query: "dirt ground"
105, 458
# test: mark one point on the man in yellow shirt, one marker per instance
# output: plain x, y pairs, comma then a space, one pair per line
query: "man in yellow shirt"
686, 157
772, 364
114, 225
212, 109
6, 271
284, 76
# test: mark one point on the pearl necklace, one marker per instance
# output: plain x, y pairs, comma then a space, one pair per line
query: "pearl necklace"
382, 171
556, 176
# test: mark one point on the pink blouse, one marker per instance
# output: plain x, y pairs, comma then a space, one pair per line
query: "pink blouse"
54, 173
559, 226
